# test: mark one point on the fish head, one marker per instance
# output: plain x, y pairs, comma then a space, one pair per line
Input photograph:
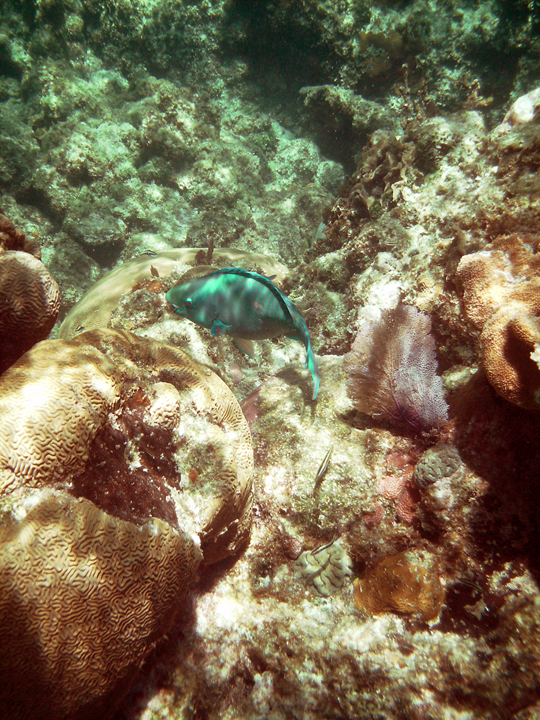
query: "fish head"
188, 301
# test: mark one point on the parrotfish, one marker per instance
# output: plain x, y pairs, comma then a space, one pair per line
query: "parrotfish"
245, 305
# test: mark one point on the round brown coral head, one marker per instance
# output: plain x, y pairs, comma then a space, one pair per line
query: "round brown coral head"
83, 598
103, 528
29, 304
395, 585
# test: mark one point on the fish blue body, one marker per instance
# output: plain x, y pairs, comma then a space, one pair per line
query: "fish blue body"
244, 305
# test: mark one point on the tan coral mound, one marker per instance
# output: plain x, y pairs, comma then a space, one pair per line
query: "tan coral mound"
52, 402
29, 304
94, 309
171, 415
501, 294
132, 455
396, 585
83, 598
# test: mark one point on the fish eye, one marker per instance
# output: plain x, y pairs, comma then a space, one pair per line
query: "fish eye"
189, 302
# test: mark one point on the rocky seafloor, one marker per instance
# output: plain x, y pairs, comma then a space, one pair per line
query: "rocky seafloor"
373, 157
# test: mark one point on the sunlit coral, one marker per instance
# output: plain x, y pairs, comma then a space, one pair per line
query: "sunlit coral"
100, 435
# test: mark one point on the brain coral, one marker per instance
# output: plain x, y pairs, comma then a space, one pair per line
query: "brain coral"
325, 569
130, 456
83, 598
501, 294
439, 462
29, 302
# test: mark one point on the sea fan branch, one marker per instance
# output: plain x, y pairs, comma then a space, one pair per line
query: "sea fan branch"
392, 370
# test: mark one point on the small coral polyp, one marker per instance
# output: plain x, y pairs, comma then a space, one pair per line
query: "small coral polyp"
98, 436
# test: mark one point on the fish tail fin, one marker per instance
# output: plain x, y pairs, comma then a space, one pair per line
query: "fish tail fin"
313, 366
311, 360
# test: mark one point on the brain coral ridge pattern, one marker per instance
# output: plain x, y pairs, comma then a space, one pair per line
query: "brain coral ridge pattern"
30, 302
91, 431
83, 598
57, 398
52, 402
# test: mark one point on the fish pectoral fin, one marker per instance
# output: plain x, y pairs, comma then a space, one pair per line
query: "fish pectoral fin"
246, 346
219, 328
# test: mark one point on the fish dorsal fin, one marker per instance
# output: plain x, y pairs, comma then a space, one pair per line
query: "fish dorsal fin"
265, 281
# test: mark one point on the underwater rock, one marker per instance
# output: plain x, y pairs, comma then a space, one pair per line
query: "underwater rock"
29, 301
396, 585
525, 109
13, 238
324, 570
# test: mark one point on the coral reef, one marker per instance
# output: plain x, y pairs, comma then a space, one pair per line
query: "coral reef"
392, 370
158, 452
29, 301
128, 131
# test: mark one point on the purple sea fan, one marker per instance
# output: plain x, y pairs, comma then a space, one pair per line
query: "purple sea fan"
392, 370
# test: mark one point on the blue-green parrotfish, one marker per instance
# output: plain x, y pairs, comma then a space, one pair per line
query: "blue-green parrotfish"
245, 305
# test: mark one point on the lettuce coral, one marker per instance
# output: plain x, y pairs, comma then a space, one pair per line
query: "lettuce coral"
392, 370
